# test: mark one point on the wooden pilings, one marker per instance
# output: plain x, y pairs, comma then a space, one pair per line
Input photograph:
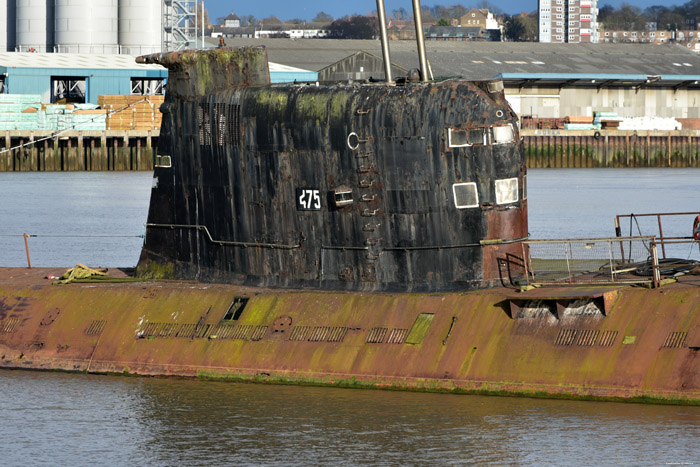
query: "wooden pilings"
577, 149
77, 151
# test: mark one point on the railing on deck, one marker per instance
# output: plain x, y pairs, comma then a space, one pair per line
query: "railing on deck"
615, 260
661, 239
28, 236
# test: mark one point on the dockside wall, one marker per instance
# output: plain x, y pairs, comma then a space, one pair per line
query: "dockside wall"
611, 148
42, 151
135, 150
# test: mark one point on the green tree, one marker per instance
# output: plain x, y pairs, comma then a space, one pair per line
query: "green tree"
271, 20
521, 28
627, 17
353, 27
400, 15
671, 21
443, 22
322, 17
486, 5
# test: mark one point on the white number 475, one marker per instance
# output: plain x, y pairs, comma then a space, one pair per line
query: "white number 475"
310, 199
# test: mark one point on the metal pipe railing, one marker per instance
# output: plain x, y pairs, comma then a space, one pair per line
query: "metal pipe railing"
422, 60
381, 14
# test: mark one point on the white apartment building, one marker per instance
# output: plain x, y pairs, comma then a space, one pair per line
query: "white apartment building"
573, 21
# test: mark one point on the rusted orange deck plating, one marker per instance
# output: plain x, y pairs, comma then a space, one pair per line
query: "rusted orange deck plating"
645, 345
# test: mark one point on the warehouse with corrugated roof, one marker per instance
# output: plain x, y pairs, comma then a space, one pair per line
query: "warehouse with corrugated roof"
78, 78
541, 80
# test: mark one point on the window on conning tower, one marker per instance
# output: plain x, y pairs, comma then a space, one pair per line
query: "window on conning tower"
458, 137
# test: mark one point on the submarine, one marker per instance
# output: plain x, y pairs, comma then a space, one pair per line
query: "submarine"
354, 234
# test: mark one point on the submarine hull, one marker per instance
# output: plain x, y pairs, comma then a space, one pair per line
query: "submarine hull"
635, 347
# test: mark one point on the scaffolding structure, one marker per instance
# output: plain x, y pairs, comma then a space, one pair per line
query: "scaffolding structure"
179, 24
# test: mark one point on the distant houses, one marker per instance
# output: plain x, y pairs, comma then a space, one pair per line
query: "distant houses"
476, 24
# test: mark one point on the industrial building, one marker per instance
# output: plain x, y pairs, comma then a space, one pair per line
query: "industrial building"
542, 80
85, 26
78, 77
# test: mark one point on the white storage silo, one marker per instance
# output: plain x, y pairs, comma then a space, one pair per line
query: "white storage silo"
87, 26
3, 25
140, 26
34, 25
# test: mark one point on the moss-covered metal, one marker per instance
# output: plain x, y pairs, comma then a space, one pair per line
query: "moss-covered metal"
472, 345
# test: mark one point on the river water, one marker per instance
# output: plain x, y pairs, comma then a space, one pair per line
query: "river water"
66, 419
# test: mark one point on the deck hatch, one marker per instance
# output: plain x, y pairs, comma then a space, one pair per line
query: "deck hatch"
562, 302
420, 328
235, 309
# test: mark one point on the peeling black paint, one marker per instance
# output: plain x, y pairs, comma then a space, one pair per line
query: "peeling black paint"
239, 155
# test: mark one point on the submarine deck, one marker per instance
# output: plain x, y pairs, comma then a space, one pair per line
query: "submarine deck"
634, 343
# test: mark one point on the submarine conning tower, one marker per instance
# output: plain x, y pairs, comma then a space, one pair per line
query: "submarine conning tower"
405, 186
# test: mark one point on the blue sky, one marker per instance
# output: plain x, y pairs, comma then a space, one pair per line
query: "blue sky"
307, 9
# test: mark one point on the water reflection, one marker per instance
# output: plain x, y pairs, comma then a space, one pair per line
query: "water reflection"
61, 418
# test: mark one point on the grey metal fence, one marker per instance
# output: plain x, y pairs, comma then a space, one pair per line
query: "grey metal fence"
624, 260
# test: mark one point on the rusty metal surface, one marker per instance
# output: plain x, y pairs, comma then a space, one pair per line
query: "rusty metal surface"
194, 73
645, 348
250, 197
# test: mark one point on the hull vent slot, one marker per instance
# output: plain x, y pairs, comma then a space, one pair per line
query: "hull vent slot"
158, 330
337, 334
249, 332
607, 338
96, 328
397, 336
587, 338
376, 335
299, 333
223, 331
566, 337
319, 334
186, 330
192, 331
675, 340
9, 325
